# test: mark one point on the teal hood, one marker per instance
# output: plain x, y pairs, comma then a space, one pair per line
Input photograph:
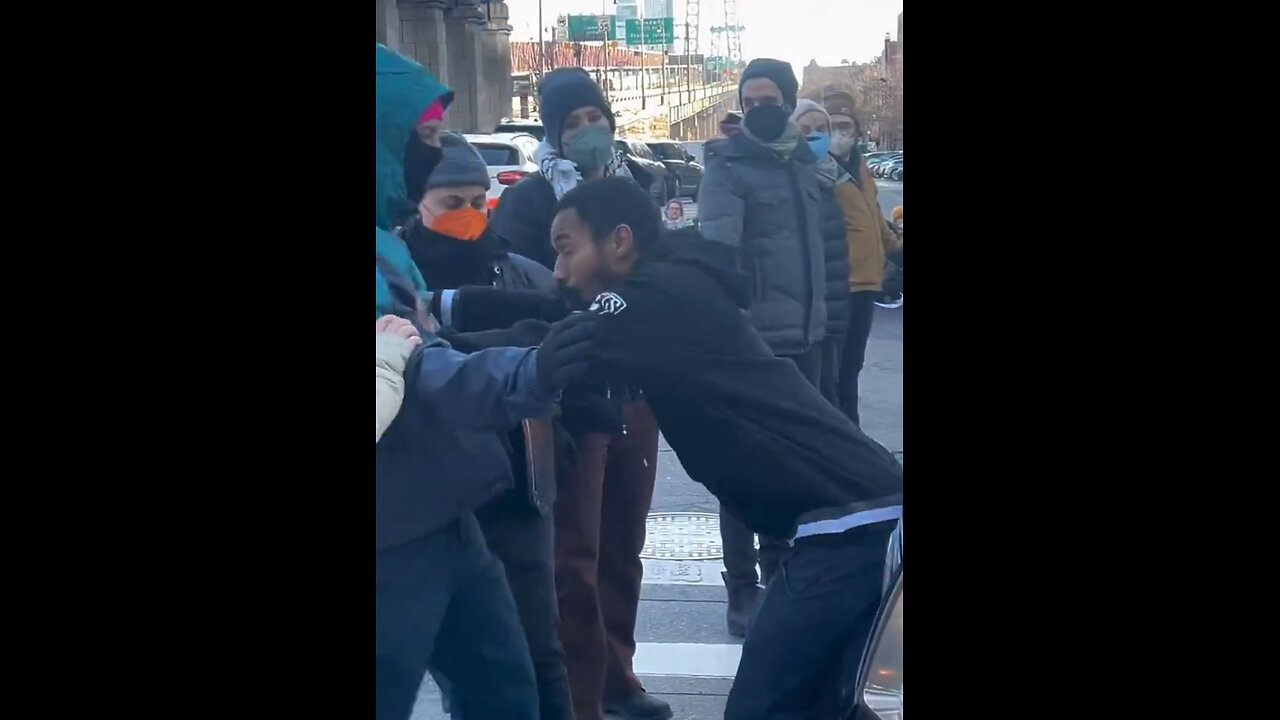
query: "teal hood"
404, 90
395, 254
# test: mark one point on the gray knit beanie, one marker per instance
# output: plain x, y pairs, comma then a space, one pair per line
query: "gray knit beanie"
460, 164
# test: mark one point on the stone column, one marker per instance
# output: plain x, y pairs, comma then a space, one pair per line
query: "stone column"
388, 24
465, 77
495, 64
422, 34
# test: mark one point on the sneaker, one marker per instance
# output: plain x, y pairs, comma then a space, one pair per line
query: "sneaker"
891, 302
639, 706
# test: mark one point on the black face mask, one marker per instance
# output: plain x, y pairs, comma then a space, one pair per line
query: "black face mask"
767, 122
420, 159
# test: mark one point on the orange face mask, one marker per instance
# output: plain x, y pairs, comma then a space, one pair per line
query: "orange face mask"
464, 223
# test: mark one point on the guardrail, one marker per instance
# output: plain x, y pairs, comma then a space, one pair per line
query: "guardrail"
696, 99
703, 98
673, 94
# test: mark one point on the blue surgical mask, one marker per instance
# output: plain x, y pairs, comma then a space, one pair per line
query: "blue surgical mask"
819, 143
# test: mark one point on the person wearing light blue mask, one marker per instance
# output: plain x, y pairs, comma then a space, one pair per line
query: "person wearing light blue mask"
819, 143
837, 228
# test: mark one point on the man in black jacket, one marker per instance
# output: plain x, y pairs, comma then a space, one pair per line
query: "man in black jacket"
747, 425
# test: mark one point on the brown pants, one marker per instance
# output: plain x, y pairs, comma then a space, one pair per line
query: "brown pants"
600, 516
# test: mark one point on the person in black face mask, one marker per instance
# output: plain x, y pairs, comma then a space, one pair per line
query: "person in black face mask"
760, 197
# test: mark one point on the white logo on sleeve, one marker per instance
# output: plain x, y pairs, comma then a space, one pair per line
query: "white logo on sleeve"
608, 304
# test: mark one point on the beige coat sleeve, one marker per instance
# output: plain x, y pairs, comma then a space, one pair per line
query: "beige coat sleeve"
392, 352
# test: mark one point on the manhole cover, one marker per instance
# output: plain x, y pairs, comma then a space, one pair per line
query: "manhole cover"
682, 536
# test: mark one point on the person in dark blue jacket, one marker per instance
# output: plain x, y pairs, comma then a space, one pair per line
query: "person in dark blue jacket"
442, 599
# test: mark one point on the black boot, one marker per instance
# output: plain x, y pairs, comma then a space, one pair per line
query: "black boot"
639, 706
743, 600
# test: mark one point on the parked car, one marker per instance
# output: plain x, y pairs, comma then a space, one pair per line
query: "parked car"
891, 169
663, 186
509, 157
696, 149
878, 691
526, 126
883, 168
686, 170
876, 694
879, 158
527, 142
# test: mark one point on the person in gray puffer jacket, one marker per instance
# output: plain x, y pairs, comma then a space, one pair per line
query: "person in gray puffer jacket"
760, 196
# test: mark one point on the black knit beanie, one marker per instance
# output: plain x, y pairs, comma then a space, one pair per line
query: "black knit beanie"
776, 70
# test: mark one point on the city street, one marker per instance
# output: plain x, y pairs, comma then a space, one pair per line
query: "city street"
684, 652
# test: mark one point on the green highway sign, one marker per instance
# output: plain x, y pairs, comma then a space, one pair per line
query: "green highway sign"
592, 28
656, 31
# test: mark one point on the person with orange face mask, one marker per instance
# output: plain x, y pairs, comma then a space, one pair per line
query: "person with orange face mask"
450, 239
453, 247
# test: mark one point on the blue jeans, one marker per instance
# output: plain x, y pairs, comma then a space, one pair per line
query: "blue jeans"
443, 601
523, 541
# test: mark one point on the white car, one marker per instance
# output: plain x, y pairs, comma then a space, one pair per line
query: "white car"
509, 157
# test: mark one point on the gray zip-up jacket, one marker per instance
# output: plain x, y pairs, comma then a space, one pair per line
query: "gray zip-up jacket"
768, 210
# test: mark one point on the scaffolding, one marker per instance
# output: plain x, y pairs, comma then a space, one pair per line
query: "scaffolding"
692, 23
726, 43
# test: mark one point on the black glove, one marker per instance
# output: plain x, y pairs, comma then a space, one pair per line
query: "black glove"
567, 351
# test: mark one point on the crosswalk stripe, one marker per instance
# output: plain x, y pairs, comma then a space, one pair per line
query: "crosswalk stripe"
686, 660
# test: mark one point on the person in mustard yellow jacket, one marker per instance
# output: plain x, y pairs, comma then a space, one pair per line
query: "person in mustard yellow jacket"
869, 240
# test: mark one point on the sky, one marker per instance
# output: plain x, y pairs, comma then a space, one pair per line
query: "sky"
793, 30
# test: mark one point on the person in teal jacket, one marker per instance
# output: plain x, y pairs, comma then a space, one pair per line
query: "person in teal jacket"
410, 104
442, 598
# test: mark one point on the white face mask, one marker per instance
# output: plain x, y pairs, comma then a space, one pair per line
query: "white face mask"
841, 144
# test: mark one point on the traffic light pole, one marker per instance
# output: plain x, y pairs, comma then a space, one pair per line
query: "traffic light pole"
644, 64
605, 47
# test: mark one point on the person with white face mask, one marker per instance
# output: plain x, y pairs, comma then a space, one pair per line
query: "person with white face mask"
869, 241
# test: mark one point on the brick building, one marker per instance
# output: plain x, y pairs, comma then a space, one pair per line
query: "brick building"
876, 87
